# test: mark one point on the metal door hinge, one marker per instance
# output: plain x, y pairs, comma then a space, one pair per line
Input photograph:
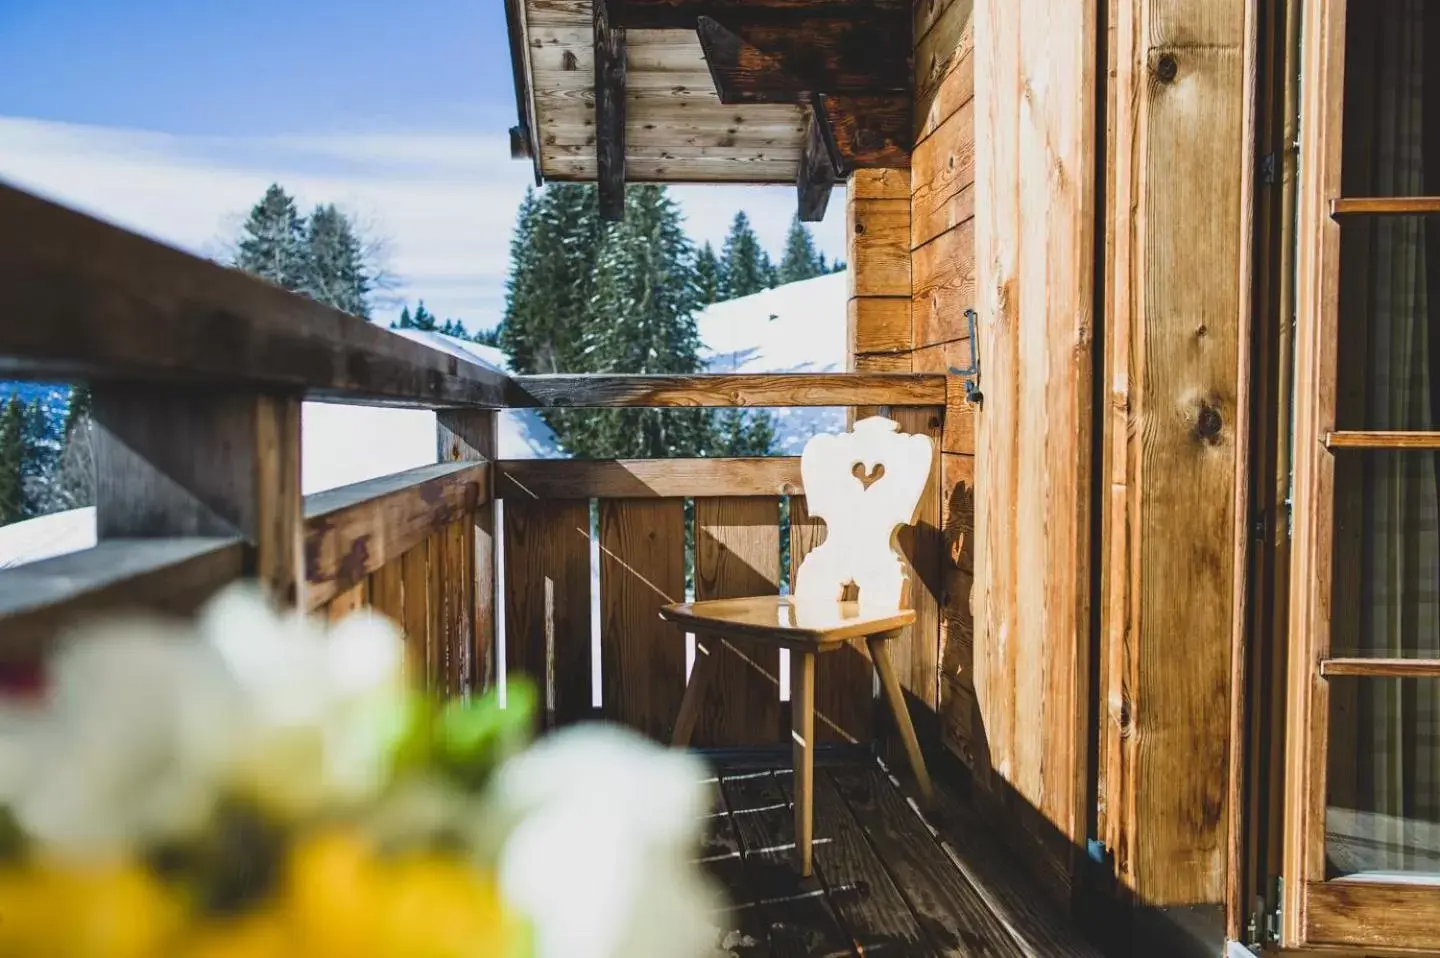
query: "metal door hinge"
1267, 169
1263, 928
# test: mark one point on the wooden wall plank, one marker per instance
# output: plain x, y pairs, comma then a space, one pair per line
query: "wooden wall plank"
878, 232
642, 567
937, 49
844, 679
944, 286
547, 602
959, 435
1036, 77
877, 248
942, 174
1175, 437
737, 553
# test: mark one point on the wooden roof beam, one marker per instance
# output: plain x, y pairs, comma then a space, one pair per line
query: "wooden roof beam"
683, 14
609, 112
777, 61
819, 168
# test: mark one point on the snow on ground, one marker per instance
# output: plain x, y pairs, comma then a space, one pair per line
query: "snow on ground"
799, 327
795, 328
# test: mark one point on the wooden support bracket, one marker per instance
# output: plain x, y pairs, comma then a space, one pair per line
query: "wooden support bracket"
609, 112
819, 166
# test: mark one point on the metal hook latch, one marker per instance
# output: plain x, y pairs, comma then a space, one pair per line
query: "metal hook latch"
971, 373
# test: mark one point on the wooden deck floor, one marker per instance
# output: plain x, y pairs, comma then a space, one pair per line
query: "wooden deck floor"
885, 883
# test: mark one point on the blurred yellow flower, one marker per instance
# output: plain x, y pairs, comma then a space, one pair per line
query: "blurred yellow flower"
118, 911
346, 901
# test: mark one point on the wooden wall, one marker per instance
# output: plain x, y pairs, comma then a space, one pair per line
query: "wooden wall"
1035, 80
942, 244
1177, 275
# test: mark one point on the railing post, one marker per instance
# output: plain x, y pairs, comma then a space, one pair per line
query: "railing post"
173, 462
470, 435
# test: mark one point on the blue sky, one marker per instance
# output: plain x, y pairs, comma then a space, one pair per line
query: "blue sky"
258, 67
171, 118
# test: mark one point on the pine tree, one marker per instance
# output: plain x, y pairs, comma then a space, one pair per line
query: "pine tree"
12, 461
487, 337
335, 270
646, 295
738, 432
746, 267
801, 260
550, 288
273, 242
709, 275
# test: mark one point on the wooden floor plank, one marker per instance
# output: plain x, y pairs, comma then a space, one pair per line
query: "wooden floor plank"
1008, 892
800, 920
954, 915
741, 930
859, 888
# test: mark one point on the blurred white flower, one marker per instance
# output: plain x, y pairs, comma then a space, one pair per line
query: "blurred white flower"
129, 745
146, 723
322, 702
602, 857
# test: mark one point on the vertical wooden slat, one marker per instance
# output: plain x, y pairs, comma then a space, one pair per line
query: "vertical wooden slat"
1036, 75
348, 601
547, 602
844, 682
171, 461
387, 591
959, 726
737, 553
1179, 265
435, 619
471, 435
414, 573
642, 567
916, 653
457, 598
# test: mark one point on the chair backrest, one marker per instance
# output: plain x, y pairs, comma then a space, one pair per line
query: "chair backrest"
865, 484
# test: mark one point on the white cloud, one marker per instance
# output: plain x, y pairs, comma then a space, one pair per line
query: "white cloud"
445, 203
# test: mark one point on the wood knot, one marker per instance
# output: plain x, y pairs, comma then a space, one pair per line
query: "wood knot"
568, 61
1166, 68
1208, 424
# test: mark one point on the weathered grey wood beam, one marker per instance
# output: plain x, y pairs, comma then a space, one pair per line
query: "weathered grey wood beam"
818, 168
609, 112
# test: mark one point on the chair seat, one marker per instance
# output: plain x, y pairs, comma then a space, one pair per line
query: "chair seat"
810, 626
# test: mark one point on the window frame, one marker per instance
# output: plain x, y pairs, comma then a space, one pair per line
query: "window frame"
1347, 912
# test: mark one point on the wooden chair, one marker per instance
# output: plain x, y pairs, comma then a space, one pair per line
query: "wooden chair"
865, 484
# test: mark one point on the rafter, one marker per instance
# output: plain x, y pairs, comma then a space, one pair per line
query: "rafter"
818, 167
609, 112
683, 14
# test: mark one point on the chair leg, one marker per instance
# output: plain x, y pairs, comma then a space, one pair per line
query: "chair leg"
707, 651
880, 655
802, 711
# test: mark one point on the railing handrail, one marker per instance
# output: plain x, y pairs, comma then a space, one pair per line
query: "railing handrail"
607, 390
81, 299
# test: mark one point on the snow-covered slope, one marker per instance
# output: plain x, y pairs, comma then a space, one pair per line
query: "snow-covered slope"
795, 328
799, 327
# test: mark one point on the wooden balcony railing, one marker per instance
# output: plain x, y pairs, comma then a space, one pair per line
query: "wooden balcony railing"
197, 374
